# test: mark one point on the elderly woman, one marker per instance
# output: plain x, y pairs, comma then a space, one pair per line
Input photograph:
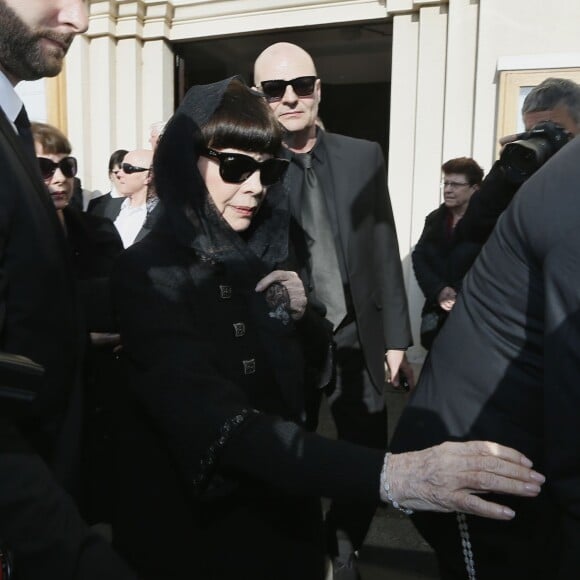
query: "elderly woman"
439, 261
219, 478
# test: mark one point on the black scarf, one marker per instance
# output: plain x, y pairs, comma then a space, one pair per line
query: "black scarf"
189, 212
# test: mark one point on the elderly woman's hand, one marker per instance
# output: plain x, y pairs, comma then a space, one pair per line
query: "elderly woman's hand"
447, 478
293, 285
447, 298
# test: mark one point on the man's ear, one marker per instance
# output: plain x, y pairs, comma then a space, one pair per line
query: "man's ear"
318, 89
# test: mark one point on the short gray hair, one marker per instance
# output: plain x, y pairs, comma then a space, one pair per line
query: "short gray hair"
553, 92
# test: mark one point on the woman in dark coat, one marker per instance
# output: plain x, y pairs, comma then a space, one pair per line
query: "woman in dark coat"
219, 479
440, 261
94, 245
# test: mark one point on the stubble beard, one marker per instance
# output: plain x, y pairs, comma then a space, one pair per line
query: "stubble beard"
21, 54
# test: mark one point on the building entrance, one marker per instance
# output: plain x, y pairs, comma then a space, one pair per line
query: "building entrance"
353, 61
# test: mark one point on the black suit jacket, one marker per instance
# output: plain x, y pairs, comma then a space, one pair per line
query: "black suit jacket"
105, 206
360, 212
505, 367
38, 520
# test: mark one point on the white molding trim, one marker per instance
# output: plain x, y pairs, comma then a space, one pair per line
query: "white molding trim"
539, 61
177, 20
410, 6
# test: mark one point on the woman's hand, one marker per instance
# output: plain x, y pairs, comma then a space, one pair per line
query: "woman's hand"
291, 281
446, 298
447, 478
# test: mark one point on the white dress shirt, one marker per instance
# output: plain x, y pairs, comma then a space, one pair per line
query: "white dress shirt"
10, 102
129, 221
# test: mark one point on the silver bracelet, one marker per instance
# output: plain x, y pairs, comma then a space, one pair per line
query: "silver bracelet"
386, 494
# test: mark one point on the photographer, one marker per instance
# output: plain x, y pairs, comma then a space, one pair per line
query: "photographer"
551, 116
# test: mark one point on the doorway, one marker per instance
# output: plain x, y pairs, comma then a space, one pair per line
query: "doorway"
353, 61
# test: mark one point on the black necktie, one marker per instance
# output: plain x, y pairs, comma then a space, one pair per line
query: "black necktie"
23, 126
325, 269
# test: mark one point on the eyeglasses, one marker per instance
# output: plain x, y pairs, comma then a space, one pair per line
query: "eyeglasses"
67, 166
128, 168
237, 167
454, 184
275, 89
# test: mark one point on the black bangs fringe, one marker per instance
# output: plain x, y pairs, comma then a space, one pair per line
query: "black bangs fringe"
243, 120
246, 138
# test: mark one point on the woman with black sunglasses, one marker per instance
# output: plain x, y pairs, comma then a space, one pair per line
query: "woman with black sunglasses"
219, 479
93, 241
93, 244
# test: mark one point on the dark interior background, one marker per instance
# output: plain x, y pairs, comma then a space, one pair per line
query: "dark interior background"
353, 61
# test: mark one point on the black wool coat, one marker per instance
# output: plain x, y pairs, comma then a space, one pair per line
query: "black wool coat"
211, 440
439, 261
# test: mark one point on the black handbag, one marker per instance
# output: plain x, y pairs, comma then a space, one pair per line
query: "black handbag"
431, 323
20, 380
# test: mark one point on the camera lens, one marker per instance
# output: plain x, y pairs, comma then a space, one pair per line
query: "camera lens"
522, 158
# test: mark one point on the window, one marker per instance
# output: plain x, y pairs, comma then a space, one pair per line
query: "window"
513, 88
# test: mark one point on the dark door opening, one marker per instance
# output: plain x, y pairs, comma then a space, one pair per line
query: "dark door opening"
353, 61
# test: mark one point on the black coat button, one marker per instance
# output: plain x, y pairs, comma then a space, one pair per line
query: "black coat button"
239, 329
249, 366
225, 292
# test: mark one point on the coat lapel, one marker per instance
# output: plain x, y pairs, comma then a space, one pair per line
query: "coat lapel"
29, 168
340, 194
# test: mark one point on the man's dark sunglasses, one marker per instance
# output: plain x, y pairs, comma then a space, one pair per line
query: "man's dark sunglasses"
128, 168
67, 165
237, 167
302, 86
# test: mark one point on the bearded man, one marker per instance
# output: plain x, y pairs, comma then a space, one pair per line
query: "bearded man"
41, 530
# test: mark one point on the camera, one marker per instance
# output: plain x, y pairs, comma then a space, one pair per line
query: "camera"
531, 150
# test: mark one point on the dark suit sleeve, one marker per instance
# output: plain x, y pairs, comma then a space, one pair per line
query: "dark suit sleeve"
548, 206
485, 207
388, 262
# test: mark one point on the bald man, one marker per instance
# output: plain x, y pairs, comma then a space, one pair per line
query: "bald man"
133, 182
363, 290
